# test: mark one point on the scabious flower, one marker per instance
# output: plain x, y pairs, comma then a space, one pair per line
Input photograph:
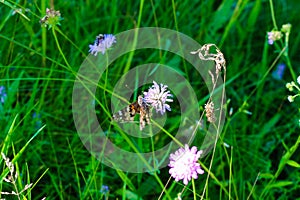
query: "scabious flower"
3, 94
102, 43
52, 18
273, 36
184, 165
158, 96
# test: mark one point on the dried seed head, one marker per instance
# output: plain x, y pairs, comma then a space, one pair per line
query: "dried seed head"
209, 109
206, 53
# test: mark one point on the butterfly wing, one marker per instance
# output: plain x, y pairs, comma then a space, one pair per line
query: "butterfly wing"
139, 107
127, 114
145, 113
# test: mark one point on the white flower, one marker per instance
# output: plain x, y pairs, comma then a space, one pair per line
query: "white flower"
286, 28
157, 97
102, 43
291, 98
273, 36
298, 80
289, 86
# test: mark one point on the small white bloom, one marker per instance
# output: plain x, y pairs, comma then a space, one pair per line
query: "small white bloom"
291, 98
226, 145
289, 86
157, 97
273, 36
286, 28
298, 80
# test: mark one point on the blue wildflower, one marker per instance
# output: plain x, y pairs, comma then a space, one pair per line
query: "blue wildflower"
3, 94
279, 71
104, 189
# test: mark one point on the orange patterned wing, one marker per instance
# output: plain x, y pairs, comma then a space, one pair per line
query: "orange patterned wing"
139, 107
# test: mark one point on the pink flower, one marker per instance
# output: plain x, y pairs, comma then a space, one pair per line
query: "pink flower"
184, 165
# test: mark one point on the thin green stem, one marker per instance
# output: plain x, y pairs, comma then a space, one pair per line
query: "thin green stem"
286, 55
44, 36
194, 189
178, 39
273, 14
59, 49
152, 146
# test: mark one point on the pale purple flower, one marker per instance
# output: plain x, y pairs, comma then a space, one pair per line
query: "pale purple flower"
3, 94
270, 40
273, 36
184, 164
158, 96
102, 43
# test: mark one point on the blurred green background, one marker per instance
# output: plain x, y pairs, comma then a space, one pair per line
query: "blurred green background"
261, 127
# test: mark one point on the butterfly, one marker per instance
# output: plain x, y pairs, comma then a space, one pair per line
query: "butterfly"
138, 107
99, 39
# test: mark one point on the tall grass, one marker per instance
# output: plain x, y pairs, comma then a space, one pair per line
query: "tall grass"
256, 156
